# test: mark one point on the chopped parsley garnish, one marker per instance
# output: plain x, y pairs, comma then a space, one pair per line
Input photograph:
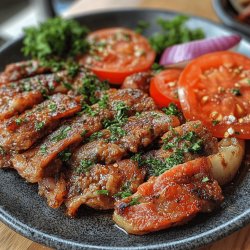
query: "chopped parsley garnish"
103, 102
156, 166
65, 155
172, 109
39, 125
26, 85
142, 26
89, 110
248, 81
55, 41
63, 133
90, 85
137, 158
215, 122
157, 68
19, 121
44, 93
102, 192
2, 151
96, 135
67, 85
125, 191
115, 125
179, 145
236, 92
116, 132
84, 167
121, 111
43, 149
84, 133
134, 201
205, 179
173, 32
52, 107
72, 69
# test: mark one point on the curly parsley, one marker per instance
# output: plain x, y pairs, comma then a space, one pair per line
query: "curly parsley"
55, 41
173, 32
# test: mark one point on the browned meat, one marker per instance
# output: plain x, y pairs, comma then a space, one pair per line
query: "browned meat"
98, 186
182, 144
139, 80
21, 132
54, 186
138, 132
20, 70
18, 96
31, 164
116, 142
171, 199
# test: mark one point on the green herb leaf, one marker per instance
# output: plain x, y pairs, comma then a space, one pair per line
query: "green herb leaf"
63, 133
52, 107
96, 135
236, 92
54, 41
67, 85
134, 201
205, 179
2, 151
39, 125
65, 155
172, 109
19, 121
90, 86
157, 68
85, 166
142, 26
173, 32
215, 122
43, 149
102, 192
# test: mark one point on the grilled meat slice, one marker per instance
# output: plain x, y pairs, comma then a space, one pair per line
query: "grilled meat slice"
16, 97
20, 70
139, 80
54, 186
117, 141
21, 132
31, 164
98, 186
171, 199
184, 143
138, 132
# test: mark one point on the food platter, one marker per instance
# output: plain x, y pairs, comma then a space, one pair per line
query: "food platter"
28, 214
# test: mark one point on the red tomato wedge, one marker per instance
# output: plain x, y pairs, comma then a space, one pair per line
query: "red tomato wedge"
215, 88
163, 87
117, 53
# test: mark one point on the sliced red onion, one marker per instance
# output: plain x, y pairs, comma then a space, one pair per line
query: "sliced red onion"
187, 51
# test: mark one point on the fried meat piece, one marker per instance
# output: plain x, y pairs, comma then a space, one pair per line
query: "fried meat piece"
31, 164
20, 70
171, 199
21, 132
98, 186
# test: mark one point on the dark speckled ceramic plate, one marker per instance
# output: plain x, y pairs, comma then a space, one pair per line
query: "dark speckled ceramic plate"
27, 213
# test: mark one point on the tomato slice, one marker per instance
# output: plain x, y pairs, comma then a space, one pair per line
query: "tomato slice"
117, 53
215, 88
163, 87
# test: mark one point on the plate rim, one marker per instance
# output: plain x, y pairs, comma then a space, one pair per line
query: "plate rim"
198, 240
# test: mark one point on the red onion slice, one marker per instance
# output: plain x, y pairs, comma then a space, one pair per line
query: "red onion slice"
187, 51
